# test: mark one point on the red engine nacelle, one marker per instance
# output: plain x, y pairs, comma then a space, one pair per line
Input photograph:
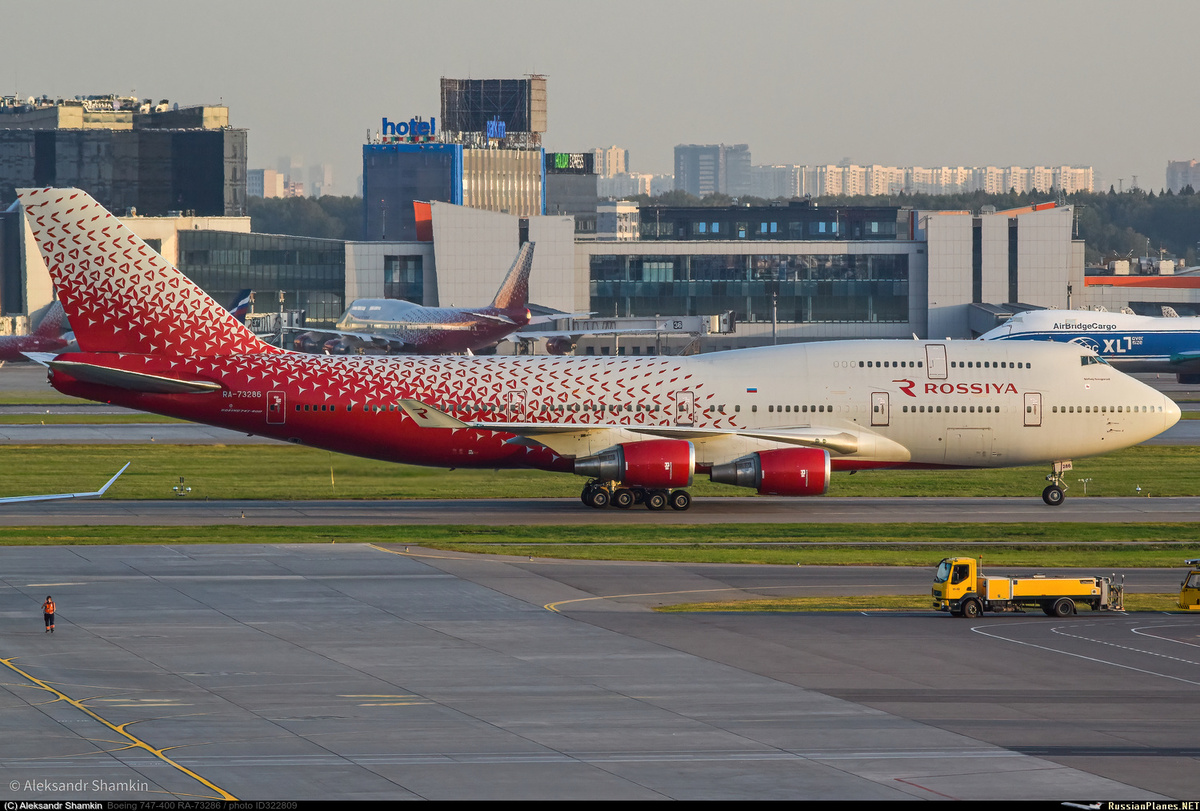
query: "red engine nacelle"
786, 472
663, 463
559, 346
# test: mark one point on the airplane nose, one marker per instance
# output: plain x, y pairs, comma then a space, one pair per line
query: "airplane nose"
1171, 413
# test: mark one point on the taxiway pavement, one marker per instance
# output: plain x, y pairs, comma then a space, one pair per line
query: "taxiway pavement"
357, 672
569, 511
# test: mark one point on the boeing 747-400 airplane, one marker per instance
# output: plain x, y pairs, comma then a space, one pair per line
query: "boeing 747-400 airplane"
777, 419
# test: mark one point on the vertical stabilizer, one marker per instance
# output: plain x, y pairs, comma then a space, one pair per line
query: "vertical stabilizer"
121, 295
53, 323
514, 291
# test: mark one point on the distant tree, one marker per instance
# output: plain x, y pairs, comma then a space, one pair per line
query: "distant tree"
325, 217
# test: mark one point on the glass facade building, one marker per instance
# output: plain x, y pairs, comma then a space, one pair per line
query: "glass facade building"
804, 287
310, 272
799, 220
394, 175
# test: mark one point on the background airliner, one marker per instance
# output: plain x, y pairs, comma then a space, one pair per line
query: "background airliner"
396, 327
1131, 343
53, 334
777, 419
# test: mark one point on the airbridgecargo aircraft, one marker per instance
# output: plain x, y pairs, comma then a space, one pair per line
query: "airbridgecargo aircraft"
1131, 343
777, 419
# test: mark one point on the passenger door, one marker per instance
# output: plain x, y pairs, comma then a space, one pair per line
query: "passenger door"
685, 407
1033, 409
935, 361
276, 407
880, 410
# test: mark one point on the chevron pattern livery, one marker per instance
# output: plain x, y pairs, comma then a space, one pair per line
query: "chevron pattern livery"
118, 293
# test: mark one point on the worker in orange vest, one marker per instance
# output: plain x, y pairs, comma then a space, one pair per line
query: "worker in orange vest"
48, 614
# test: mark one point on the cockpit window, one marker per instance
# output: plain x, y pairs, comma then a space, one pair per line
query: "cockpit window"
1088, 360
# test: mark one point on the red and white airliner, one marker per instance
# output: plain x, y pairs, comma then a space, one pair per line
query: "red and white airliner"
777, 419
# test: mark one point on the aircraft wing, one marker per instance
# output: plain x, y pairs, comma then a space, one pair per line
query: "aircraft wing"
499, 319
550, 318
1190, 356
533, 335
561, 438
60, 496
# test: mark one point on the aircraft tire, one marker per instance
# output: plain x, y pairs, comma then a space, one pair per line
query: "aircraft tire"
1053, 495
623, 499
680, 500
656, 500
599, 498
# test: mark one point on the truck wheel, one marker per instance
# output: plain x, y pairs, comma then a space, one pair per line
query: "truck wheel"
1064, 607
1053, 495
971, 609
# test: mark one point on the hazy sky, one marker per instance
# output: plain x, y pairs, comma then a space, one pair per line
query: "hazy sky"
917, 82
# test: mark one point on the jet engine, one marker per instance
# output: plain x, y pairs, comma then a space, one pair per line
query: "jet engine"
559, 346
785, 472
656, 463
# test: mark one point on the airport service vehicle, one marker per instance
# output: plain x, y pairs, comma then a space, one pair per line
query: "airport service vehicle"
1189, 589
777, 419
961, 588
1131, 343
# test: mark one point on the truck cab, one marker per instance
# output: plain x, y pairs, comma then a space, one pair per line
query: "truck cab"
1189, 589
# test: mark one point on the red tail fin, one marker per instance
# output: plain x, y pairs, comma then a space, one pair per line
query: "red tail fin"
514, 290
120, 295
53, 323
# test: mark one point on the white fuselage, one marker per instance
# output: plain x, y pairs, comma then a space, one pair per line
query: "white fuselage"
951, 403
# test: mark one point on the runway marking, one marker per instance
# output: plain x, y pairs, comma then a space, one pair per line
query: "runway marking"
135, 742
554, 606
1139, 632
48, 585
417, 700
1064, 632
979, 630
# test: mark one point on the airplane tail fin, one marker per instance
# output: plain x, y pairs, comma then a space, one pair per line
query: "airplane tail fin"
514, 291
239, 308
53, 323
121, 295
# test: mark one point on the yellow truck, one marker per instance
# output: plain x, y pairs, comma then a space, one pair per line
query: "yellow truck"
1189, 589
962, 589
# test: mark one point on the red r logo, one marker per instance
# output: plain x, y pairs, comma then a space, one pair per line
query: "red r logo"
907, 388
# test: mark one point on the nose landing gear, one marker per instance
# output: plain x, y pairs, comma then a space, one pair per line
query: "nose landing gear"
601, 494
1055, 492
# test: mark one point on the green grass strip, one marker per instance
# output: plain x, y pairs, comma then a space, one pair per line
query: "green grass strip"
1099, 546
287, 472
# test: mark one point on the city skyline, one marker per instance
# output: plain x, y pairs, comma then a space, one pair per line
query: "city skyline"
915, 84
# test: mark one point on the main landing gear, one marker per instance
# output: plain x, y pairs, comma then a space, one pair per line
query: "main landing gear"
1055, 492
600, 494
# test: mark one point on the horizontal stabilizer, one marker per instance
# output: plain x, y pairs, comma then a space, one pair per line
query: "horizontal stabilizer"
131, 381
